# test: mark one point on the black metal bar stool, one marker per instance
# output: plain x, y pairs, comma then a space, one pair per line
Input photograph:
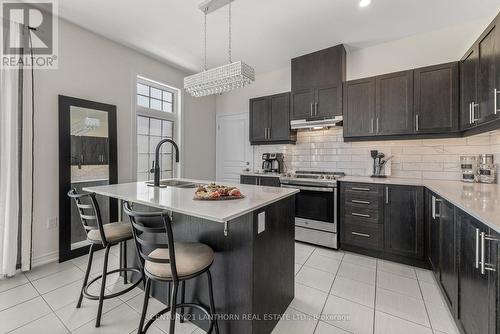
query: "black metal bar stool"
106, 235
170, 262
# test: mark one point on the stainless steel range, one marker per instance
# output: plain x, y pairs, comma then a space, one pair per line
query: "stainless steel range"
315, 207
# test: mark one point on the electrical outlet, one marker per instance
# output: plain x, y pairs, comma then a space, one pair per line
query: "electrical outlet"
52, 223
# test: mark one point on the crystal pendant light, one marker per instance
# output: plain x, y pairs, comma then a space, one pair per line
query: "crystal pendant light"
220, 79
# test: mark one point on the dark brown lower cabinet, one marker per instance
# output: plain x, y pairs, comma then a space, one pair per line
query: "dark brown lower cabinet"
383, 221
474, 308
433, 234
403, 221
448, 253
268, 181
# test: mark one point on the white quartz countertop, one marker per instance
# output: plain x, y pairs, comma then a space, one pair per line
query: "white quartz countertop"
181, 200
481, 201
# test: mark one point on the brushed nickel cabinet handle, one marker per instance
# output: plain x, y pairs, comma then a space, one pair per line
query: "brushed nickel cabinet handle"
360, 202
483, 248
477, 249
373, 126
364, 235
417, 121
360, 189
311, 109
360, 215
470, 113
377, 125
386, 195
495, 101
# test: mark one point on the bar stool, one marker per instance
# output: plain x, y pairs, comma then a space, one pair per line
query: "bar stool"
169, 262
105, 235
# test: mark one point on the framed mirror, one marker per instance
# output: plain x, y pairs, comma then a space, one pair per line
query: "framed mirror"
87, 157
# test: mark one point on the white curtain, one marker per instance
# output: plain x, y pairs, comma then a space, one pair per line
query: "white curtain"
15, 169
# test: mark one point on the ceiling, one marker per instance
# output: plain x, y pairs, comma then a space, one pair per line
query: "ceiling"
266, 33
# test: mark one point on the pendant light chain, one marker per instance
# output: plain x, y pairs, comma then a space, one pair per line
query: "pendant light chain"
205, 42
230, 58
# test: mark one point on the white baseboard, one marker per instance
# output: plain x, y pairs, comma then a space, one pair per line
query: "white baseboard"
44, 259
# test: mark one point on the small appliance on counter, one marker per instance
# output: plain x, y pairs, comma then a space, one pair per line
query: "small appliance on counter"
468, 165
272, 163
379, 163
487, 169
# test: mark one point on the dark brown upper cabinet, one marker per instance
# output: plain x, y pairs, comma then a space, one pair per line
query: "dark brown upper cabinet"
437, 99
317, 84
480, 82
359, 108
270, 120
394, 103
421, 102
468, 88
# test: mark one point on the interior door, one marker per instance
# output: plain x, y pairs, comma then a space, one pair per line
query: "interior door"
394, 103
474, 295
234, 153
468, 88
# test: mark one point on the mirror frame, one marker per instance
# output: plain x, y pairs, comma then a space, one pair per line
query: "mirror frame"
65, 103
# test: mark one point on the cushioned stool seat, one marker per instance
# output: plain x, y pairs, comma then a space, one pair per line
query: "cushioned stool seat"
114, 232
190, 258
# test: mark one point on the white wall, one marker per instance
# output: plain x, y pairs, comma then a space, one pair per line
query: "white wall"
431, 48
95, 68
440, 46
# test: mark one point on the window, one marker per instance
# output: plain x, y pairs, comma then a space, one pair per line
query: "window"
154, 98
156, 120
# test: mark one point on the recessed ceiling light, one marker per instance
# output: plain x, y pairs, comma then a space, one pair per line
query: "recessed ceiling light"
365, 3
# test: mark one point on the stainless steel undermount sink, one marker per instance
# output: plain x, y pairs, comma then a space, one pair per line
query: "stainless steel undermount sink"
174, 183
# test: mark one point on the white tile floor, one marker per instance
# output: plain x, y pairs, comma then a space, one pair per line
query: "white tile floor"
336, 293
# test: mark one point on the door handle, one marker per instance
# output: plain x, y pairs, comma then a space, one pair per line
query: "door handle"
386, 195
312, 109
417, 121
377, 124
364, 235
433, 207
373, 126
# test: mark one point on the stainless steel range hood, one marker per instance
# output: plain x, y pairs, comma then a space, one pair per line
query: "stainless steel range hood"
316, 124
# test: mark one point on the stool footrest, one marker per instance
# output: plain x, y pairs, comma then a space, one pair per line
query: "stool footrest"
87, 295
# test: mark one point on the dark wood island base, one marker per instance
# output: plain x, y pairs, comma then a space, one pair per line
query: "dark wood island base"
253, 273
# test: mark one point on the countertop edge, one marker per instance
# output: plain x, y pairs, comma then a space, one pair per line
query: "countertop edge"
190, 213
425, 184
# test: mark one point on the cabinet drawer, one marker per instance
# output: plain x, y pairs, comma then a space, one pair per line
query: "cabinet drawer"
362, 188
364, 235
361, 212
362, 200
354, 217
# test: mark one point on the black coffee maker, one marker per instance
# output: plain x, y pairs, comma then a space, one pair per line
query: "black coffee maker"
272, 163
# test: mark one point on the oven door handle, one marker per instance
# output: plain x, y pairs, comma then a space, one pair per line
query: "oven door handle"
322, 189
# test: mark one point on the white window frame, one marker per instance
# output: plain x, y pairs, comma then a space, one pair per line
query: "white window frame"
174, 116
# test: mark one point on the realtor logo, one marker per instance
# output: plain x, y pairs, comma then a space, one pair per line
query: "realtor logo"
29, 34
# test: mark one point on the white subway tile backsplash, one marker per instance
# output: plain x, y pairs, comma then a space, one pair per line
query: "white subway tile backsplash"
426, 158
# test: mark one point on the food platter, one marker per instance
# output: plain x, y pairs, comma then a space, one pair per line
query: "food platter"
215, 192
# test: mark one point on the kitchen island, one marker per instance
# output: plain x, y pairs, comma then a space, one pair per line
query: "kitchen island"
253, 238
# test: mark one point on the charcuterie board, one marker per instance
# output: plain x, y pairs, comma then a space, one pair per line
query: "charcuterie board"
214, 192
